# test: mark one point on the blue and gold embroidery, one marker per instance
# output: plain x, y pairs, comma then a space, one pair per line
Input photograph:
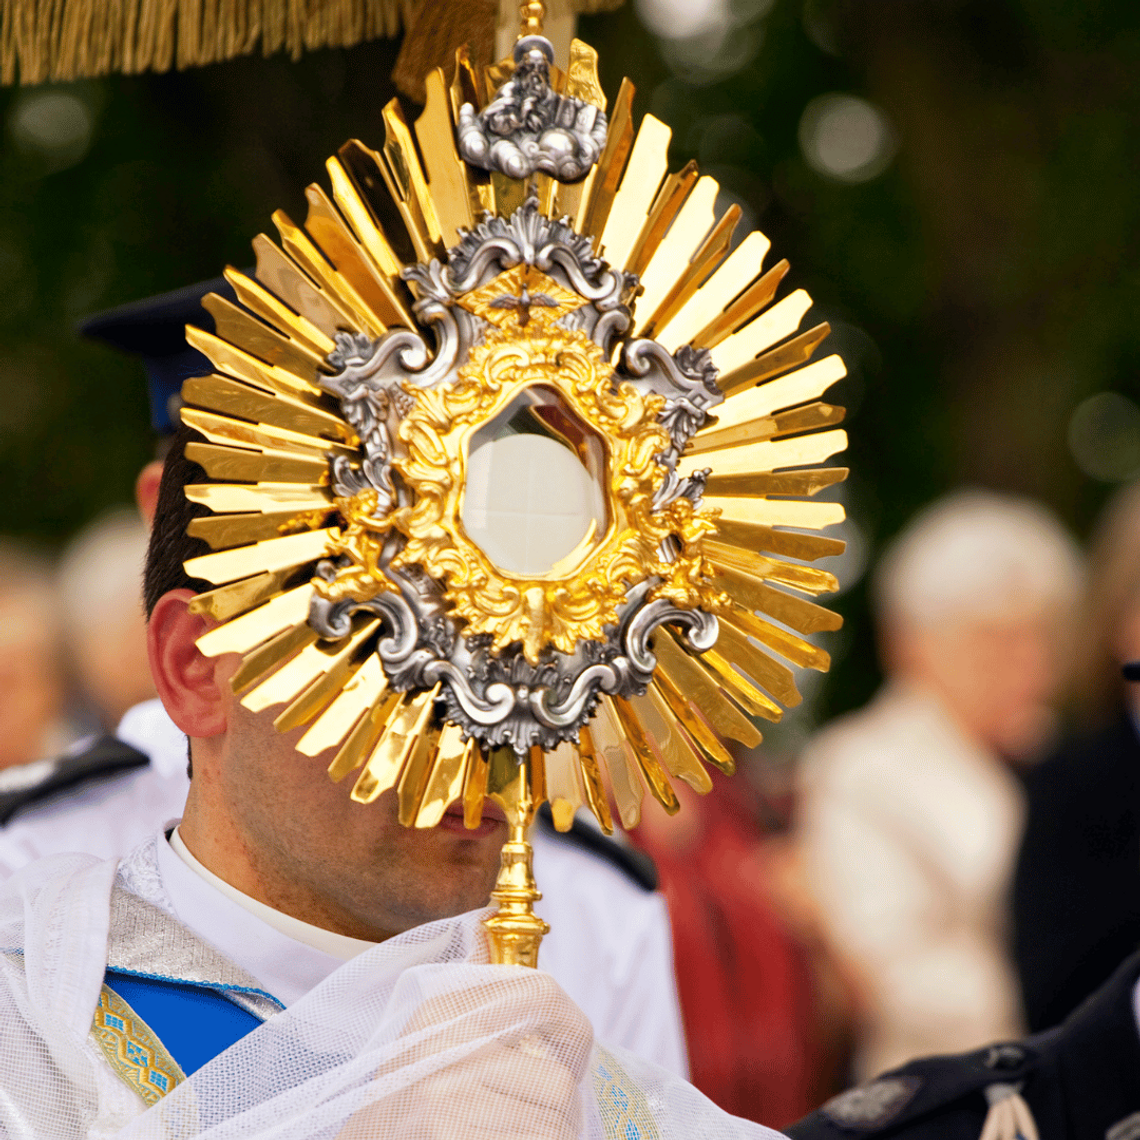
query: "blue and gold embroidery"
622, 1105
132, 1049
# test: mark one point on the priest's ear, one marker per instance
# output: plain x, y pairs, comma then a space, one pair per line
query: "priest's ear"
194, 688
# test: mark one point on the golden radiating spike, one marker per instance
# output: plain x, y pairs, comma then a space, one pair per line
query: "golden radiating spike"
638, 743
320, 692
223, 430
404, 176
625, 783
475, 785
671, 197
682, 288
598, 199
803, 483
581, 83
365, 225
312, 662
273, 554
732, 276
582, 75
809, 418
259, 339
536, 773
255, 297
702, 689
697, 730
417, 772
757, 296
447, 175
687, 235
796, 351
363, 690
237, 598
508, 193
802, 616
648, 164
502, 771
224, 532
278, 273
223, 498
251, 629
445, 781
809, 579
788, 645
799, 451
750, 699
592, 784
773, 676
262, 661
270, 378
340, 245
788, 391
466, 85
778, 512
771, 327
679, 755
364, 735
564, 784
807, 547
394, 748
334, 287
256, 466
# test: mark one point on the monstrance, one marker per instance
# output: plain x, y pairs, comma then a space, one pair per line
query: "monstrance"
514, 498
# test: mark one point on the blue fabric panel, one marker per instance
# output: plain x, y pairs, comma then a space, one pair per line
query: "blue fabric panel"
193, 1022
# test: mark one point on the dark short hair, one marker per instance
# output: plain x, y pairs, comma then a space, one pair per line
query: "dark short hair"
170, 546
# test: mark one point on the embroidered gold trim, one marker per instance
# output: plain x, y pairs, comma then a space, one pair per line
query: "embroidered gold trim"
133, 1050
622, 1105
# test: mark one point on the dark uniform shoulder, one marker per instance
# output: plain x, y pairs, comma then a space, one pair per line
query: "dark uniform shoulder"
937, 1098
101, 760
634, 864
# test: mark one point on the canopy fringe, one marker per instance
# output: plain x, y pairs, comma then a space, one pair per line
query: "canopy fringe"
59, 40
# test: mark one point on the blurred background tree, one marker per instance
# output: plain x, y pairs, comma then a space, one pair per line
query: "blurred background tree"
953, 182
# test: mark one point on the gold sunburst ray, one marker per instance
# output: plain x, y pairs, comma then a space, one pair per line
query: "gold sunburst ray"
272, 427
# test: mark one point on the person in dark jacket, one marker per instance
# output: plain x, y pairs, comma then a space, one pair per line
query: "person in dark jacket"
1079, 1081
1076, 891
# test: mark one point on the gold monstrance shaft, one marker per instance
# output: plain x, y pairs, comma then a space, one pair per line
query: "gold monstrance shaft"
514, 931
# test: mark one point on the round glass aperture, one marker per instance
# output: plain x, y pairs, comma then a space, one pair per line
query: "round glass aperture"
534, 499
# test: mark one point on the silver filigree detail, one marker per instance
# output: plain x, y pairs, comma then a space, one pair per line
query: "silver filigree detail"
529, 128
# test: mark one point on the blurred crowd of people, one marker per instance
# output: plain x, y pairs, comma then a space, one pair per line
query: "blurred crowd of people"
72, 639
957, 861
960, 859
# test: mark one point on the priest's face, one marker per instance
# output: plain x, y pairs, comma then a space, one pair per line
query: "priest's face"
313, 852
268, 819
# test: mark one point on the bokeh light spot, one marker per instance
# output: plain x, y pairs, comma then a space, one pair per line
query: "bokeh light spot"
846, 138
55, 124
683, 19
1104, 437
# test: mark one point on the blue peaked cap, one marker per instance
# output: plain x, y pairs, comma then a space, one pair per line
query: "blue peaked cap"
154, 330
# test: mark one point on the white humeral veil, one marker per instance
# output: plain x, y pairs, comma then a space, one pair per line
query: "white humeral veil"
416, 1039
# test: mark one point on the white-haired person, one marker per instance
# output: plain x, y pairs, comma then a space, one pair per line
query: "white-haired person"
31, 674
104, 624
909, 809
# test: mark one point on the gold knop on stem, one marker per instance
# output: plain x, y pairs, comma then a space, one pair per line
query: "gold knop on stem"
514, 931
531, 15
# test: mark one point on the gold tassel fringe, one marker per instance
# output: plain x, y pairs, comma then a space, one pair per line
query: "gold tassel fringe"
57, 40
